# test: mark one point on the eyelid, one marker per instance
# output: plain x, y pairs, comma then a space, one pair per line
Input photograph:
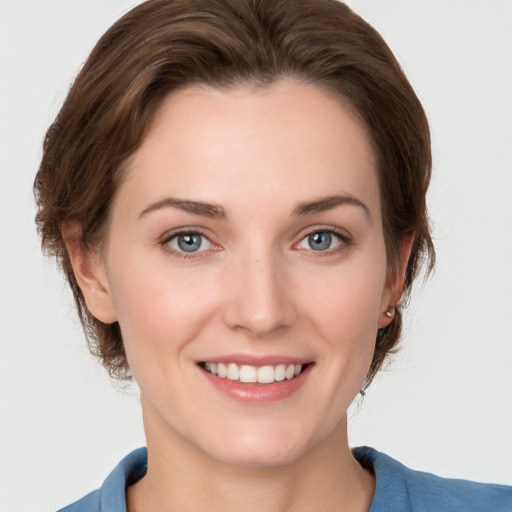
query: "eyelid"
315, 228
345, 238
174, 233
187, 230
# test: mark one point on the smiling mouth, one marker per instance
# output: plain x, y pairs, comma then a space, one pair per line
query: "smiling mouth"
267, 374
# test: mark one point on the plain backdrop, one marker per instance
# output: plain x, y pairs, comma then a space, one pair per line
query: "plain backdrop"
445, 403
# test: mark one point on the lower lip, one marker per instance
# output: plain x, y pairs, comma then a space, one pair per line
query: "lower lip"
258, 393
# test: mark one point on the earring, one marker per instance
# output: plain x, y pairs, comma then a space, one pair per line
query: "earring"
390, 312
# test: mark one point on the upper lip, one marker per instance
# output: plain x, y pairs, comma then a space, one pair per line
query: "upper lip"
256, 360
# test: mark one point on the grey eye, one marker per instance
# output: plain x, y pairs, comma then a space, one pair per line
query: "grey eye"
189, 242
320, 241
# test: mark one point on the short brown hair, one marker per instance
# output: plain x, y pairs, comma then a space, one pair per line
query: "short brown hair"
164, 45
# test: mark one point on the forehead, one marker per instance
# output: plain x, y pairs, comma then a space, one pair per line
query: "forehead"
282, 143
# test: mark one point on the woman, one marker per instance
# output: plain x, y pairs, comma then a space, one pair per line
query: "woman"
236, 193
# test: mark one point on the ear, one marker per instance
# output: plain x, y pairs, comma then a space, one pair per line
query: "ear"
89, 269
396, 283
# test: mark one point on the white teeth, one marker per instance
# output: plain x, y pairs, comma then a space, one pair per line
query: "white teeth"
280, 372
266, 374
222, 371
233, 372
246, 373
211, 367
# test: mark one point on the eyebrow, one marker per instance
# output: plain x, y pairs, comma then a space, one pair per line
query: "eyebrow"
187, 205
215, 211
327, 203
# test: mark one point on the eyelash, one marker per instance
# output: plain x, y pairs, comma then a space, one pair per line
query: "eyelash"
168, 238
344, 243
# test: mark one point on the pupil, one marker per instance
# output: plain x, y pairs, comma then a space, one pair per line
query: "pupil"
189, 243
320, 241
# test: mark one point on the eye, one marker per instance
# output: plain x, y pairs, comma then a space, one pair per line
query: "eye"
189, 242
321, 241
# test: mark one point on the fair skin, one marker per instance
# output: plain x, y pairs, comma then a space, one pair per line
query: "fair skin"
248, 230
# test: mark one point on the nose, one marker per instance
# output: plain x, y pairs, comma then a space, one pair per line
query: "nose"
260, 299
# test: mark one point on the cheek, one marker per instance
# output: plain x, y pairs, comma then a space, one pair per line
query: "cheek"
346, 314
350, 300
159, 312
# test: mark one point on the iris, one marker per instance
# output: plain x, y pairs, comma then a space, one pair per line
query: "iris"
320, 241
189, 242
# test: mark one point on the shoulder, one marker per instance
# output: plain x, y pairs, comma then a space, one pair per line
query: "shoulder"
110, 497
407, 490
89, 503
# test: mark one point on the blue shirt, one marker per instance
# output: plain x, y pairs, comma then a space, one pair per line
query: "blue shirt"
398, 489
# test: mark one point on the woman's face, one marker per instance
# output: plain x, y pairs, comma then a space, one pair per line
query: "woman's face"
247, 238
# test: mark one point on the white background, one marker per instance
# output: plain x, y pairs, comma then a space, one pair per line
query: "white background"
444, 406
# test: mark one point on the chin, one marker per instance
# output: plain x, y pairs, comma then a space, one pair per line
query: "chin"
258, 458
258, 450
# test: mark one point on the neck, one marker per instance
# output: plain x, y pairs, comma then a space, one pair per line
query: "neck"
181, 477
